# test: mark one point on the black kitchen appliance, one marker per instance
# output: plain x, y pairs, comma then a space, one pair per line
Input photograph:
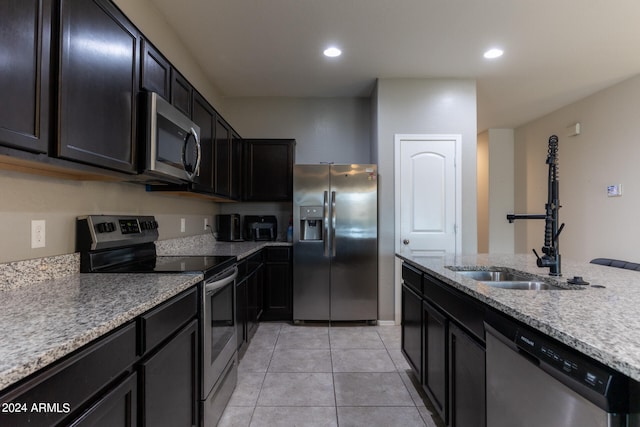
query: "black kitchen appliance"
126, 244
228, 228
260, 227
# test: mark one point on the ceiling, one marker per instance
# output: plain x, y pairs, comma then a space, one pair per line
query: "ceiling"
556, 52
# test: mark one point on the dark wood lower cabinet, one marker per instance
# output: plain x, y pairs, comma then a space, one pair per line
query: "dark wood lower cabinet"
118, 408
467, 379
435, 361
170, 382
412, 329
278, 284
75, 384
442, 340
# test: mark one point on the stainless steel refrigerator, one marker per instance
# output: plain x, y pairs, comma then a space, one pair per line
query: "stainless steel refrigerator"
335, 242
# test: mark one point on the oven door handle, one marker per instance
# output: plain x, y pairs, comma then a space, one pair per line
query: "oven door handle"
215, 286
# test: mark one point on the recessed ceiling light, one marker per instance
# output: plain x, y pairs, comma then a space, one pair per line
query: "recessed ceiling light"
332, 52
493, 53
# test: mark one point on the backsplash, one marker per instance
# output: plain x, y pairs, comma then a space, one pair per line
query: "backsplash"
22, 273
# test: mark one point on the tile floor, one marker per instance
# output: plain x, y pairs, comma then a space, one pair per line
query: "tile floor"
321, 375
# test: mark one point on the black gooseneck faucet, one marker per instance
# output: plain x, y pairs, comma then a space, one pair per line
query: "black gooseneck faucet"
551, 248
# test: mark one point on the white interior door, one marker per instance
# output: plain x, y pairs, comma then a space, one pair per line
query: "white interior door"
428, 187
427, 198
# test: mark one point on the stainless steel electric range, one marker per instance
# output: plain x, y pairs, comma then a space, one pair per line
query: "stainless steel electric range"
126, 244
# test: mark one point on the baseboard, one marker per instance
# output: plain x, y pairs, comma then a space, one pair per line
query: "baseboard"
386, 323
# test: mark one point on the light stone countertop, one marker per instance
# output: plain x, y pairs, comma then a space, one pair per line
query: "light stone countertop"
205, 244
603, 323
45, 321
48, 309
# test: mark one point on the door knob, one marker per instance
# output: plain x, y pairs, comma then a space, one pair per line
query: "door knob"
405, 241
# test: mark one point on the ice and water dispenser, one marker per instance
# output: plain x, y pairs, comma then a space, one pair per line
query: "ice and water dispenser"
311, 222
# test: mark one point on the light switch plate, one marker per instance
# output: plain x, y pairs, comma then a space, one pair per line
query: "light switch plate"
614, 190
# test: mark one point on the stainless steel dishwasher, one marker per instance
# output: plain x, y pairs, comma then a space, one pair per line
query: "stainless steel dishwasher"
534, 380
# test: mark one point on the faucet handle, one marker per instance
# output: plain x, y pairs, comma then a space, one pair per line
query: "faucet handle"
539, 261
555, 238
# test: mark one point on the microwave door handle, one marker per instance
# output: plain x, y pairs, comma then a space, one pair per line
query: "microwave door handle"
196, 169
197, 138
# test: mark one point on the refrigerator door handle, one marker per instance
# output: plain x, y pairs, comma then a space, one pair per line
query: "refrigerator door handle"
325, 221
333, 223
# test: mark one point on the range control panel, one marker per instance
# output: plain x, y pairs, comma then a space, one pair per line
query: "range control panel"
569, 363
94, 232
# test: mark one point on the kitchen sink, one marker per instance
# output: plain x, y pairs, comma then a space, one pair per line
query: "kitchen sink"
505, 278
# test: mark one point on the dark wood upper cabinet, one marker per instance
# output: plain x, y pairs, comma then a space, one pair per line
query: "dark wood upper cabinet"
235, 190
155, 71
204, 116
99, 63
222, 158
268, 169
181, 92
25, 37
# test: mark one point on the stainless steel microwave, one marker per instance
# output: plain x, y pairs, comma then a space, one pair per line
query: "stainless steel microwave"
172, 143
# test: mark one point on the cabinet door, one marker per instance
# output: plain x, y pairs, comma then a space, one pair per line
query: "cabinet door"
25, 39
435, 367
99, 66
118, 408
412, 329
235, 191
278, 286
75, 381
241, 314
170, 381
268, 170
222, 158
181, 93
156, 71
467, 379
255, 292
204, 116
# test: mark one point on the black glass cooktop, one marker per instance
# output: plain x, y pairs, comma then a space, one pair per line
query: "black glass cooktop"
175, 264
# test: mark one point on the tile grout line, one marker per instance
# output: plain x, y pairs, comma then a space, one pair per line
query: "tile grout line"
333, 377
265, 374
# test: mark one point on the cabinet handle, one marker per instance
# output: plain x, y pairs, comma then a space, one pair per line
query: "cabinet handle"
405, 242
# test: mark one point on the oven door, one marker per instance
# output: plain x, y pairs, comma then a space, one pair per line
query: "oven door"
218, 327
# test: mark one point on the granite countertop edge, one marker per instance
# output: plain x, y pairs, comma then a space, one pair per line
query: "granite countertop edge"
49, 339
616, 345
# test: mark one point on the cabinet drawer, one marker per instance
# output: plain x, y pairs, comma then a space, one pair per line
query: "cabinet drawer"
254, 261
412, 277
69, 385
460, 307
159, 323
278, 254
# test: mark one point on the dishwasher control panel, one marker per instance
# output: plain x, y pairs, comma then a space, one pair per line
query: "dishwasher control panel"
569, 363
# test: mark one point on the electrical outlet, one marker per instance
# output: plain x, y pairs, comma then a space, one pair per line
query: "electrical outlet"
206, 224
183, 225
38, 233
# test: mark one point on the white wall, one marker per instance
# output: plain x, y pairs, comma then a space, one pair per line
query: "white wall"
606, 152
483, 192
421, 106
146, 17
501, 190
325, 129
